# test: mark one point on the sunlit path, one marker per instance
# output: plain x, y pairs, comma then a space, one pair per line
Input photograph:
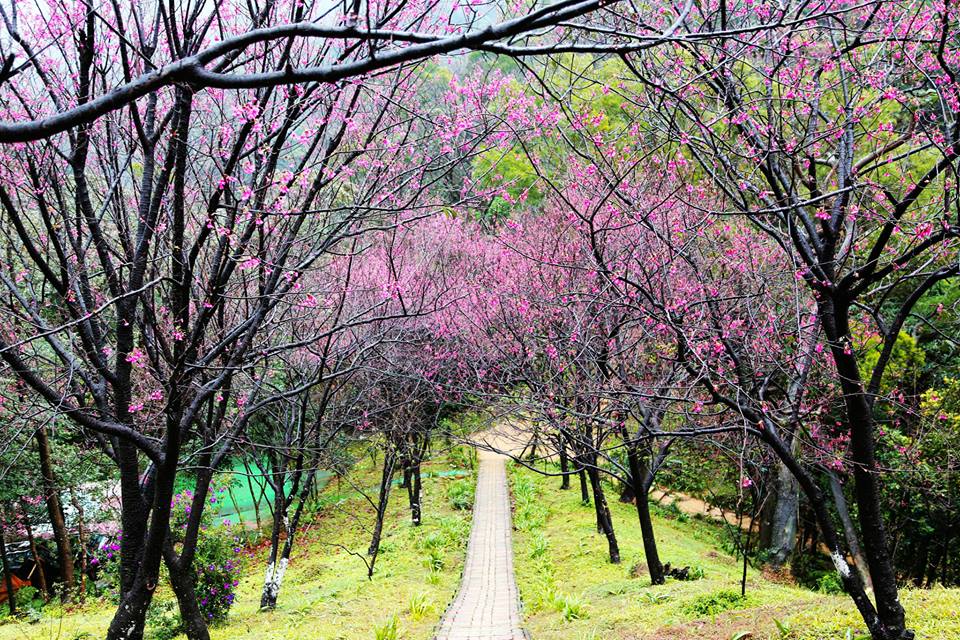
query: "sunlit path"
487, 606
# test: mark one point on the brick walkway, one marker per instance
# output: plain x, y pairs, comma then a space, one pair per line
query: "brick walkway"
487, 606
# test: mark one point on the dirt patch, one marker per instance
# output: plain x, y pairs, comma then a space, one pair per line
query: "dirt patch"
757, 621
779, 576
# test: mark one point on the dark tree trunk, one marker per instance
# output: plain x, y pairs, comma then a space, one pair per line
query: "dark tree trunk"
55, 512
642, 480
134, 516
385, 482
144, 568
604, 520
584, 491
850, 579
860, 422
627, 492
184, 586
564, 468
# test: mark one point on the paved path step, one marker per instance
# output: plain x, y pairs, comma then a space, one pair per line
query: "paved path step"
487, 606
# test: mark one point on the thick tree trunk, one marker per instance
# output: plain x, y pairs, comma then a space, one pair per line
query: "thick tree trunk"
850, 579
134, 517
866, 489
184, 585
642, 480
55, 512
144, 568
654, 565
783, 518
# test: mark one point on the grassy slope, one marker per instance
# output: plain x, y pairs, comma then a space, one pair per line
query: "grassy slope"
326, 594
571, 592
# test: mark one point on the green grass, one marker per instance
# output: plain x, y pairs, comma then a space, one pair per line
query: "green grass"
326, 594
571, 592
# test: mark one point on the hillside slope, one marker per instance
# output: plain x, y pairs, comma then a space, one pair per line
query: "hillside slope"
571, 592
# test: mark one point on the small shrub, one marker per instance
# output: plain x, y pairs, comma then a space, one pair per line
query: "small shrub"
419, 606
28, 598
462, 457
830, 583
712, 604
570, 607
387, 631
434, 560
217, 569
539, 546
461, 493
163, 621
671, 511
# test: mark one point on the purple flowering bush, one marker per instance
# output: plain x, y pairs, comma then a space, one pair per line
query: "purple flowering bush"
217, 564
104, 563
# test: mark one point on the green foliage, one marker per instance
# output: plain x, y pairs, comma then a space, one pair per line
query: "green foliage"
905, 365
217, 569
570, 607
814, 571
463, 457
390, 630
714, 603
530, 513
830, 583
671, 511
461, 494
419, 606
29, 603
539, 546
783, 628
163, 620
